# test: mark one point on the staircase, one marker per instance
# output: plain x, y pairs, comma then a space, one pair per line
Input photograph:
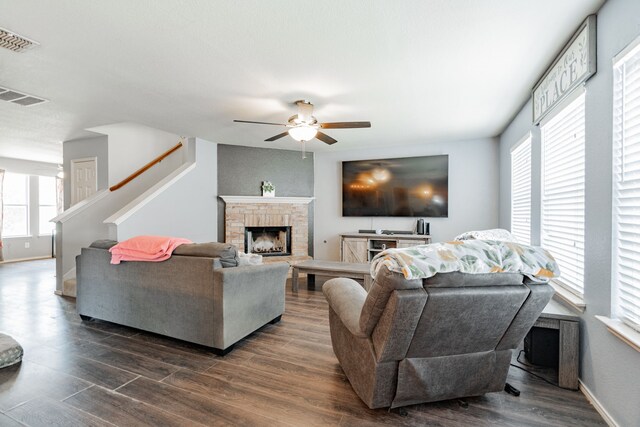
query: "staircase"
181, 201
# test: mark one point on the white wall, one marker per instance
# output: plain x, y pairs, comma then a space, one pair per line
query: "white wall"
28, 167
186, 206
609, 368
39, 246
131, 146
473, 200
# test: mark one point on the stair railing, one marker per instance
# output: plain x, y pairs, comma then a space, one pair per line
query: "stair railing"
146, 167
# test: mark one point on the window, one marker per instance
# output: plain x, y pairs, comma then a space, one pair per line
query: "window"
562, 222
521, 192
15, 205
626, 188
47, 209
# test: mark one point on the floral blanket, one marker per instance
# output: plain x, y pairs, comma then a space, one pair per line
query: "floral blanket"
469, 256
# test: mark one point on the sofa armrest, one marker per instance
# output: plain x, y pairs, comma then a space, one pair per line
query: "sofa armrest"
217, 263
246, 298
346, 297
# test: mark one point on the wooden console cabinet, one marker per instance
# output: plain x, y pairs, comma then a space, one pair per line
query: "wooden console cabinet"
361, 247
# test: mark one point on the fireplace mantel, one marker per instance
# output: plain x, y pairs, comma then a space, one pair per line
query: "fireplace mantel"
260, 199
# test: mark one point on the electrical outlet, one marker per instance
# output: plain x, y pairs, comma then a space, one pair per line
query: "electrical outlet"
26, 245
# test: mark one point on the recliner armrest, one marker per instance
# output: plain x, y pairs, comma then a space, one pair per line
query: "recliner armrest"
346, 297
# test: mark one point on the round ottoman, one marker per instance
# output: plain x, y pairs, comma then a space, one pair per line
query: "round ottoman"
10, 351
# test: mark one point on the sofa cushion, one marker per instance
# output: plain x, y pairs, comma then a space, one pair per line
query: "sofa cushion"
227, 253
103, 244
456, 279
10, 351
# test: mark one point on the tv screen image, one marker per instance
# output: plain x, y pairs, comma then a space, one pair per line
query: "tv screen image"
407, 186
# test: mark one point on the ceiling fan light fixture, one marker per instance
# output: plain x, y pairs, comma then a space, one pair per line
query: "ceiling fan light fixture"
303, 133
304, 126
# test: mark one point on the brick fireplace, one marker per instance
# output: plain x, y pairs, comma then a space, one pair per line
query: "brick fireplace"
241, 212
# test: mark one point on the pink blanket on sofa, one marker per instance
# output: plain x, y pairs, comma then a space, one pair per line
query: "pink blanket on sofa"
145, 248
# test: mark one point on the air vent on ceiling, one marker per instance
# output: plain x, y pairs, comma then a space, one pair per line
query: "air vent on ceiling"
14, 42
19, 98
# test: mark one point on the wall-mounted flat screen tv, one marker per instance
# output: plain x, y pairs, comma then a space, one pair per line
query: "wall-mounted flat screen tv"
407, 186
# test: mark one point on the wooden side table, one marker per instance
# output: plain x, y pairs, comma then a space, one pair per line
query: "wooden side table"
556, 316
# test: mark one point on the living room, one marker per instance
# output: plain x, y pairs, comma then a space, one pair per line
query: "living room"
125, 84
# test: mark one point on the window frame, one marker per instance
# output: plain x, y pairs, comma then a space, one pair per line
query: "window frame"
619, 160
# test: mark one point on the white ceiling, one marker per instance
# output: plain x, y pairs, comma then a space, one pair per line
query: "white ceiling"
420, 70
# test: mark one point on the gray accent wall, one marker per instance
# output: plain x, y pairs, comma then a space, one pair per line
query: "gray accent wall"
241, 171
609, 368
82, 149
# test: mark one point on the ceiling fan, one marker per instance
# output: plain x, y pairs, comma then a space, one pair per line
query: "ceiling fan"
304, 126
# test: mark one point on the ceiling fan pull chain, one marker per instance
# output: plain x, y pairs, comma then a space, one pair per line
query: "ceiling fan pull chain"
304, 154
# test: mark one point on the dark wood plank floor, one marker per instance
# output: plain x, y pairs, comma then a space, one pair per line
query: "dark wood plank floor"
101, 374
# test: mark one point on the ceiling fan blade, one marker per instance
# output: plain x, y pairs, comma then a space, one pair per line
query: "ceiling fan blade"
278, 136
345, 125
259, 123
326, 138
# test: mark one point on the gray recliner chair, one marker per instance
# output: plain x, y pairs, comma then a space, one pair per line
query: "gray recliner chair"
416, 341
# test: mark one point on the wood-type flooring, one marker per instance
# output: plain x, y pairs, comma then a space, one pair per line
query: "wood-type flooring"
95, 373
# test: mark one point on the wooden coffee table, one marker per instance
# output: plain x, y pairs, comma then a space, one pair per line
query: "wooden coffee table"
331, 269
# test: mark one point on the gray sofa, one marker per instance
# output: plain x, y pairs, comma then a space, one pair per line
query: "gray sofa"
198, 295
414, 341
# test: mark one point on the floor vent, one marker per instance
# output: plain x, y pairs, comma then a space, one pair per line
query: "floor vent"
19, 98
14, 42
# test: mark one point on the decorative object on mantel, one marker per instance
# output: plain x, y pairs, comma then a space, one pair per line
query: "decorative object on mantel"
303, 127
572, 67
268, 189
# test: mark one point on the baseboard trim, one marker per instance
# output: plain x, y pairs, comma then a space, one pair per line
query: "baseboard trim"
9, 261
596, 404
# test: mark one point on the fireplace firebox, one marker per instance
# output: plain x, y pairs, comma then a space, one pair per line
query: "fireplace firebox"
268, 241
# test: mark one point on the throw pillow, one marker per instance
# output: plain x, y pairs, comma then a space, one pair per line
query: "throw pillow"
227, 253
498, 234
249, 259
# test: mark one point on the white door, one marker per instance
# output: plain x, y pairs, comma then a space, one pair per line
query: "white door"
84, 180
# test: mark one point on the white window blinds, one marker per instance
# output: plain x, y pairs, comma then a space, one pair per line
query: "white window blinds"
626, 189
15, 210
521, 192
562, 223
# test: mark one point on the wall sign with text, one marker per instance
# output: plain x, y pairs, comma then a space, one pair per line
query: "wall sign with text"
573, 66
